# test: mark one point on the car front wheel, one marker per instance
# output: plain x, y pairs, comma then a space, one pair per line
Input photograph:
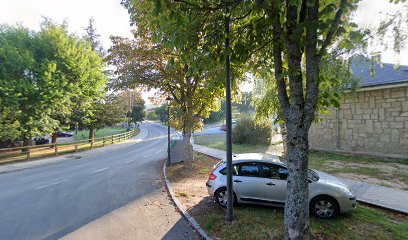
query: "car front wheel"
324, 207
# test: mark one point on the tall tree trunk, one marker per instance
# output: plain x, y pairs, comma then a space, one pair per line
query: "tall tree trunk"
91, 134
284, 141
53, 138
26, 142
187, 132
188, 147
297, 200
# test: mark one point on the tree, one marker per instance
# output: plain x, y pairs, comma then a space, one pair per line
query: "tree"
93, 37
138, 113
161, 113
106, 113
174, 61
25, 84
46, 75
134, 102
296, 36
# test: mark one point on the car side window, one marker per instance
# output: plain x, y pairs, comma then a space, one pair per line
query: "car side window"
234, 170
273, 171
249, 169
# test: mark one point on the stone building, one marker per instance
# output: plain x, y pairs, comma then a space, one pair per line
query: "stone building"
371, 121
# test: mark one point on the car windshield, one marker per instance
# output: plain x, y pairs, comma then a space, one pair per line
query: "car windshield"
313, 175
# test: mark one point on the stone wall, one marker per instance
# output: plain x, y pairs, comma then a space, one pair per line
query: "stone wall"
370, 121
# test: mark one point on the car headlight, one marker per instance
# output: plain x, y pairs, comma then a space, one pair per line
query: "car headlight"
346, 191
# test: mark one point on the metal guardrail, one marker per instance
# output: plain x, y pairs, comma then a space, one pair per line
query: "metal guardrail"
27, 152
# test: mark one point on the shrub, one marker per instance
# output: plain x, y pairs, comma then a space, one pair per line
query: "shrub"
249, 131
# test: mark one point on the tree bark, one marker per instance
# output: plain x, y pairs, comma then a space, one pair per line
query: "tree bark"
297, 200
91, 134
26, 142
284, 141
188, 147
53, 138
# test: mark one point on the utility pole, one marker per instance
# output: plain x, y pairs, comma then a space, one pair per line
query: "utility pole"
168, 99
230, 193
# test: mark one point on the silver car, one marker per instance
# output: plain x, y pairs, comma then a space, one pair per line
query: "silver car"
261, 179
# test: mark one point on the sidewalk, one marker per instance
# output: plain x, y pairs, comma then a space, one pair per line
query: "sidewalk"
385, 197
12, 167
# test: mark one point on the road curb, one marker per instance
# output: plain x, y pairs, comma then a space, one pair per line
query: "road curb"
182, 209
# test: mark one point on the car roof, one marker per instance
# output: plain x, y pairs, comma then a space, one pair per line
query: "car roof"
245, 157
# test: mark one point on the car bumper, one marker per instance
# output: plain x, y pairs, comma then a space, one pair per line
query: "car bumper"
210, 189
348, 205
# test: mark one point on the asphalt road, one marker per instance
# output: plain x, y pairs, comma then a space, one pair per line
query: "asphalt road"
50, 201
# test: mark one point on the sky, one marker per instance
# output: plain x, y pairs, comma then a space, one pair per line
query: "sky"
112, 19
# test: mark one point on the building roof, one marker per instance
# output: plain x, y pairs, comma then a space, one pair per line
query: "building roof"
384, 74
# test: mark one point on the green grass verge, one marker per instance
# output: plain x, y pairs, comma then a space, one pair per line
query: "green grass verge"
217, 141
84, 134
256, 222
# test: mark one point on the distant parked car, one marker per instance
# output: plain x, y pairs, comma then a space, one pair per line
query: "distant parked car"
64, 134
261, 179
41, 141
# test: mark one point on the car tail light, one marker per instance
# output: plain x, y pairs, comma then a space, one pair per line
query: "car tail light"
212, 176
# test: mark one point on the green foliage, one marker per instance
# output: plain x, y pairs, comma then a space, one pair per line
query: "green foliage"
9, 123
134, 105
161, 113
46, 75
249, 131
151, 115
167, 56
108, 112
138, 113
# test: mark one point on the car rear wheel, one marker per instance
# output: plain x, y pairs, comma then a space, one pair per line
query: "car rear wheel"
324, 207
221, 197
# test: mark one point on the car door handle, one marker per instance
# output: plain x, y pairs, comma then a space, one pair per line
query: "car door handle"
237, 180
270, 183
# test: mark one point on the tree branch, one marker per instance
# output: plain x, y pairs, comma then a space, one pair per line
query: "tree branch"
312, 65
333, 29
277, 55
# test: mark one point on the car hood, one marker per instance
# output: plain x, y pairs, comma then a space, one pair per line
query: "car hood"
330, 179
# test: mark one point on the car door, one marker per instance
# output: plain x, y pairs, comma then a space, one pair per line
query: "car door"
275, 182
248, 182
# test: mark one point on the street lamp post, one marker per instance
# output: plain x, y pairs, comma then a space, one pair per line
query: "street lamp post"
168, 99
228, 117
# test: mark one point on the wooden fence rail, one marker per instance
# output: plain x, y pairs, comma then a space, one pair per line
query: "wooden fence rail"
26, 152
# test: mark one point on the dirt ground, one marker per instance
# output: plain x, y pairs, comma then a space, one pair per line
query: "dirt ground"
189, 184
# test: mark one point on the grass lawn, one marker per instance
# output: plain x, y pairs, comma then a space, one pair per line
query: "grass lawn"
218, 141
258, 222
386, 172
108, 131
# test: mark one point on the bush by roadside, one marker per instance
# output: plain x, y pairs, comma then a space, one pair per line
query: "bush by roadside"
257, 222
249, 131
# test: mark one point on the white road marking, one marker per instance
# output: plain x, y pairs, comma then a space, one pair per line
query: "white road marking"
25, 178
159, 151
54, 183
129, 161
148, 155
100, 170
